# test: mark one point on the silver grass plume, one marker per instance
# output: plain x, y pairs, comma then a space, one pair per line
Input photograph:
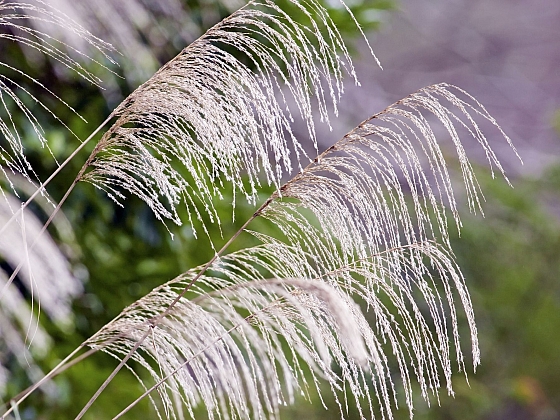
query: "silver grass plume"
45, 273
210, 115
364, 229
47, 277
18, 22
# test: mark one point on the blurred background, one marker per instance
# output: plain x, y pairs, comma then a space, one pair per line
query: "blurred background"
506, 53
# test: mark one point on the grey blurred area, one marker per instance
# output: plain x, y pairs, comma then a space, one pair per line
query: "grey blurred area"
506, 53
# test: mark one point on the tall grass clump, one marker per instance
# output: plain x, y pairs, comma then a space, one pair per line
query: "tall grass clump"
354, 289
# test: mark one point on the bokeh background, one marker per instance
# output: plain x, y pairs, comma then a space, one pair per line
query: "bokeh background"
504, 52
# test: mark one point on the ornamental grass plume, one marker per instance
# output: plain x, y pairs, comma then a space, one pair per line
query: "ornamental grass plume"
358, 287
